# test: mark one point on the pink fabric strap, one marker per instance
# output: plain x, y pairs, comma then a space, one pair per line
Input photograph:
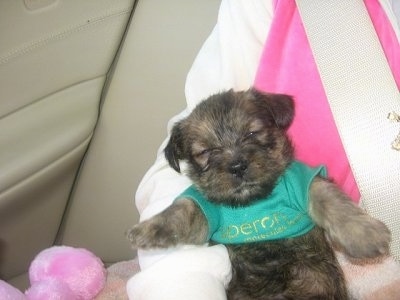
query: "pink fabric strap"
287, 66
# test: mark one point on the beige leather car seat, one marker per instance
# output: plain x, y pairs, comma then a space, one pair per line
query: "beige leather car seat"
66, 83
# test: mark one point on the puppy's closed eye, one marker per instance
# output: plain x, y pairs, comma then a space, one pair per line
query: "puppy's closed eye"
202, 155
251, 135
255, 131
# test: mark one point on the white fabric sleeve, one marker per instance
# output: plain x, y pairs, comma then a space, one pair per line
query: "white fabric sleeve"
184, 275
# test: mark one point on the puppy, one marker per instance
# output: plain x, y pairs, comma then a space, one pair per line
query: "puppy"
278, 217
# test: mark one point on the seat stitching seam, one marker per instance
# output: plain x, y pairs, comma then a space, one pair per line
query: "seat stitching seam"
91, 22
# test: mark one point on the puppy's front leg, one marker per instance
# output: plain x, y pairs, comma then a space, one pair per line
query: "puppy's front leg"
347, 225
181, 223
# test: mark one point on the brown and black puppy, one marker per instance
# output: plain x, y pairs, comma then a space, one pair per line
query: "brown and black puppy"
238, 156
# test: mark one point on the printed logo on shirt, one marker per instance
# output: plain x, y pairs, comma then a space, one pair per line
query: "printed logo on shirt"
269, 227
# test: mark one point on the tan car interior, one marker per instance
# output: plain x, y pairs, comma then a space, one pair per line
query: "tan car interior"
86, 90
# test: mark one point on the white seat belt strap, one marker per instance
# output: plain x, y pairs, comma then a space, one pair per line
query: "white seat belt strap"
361, 92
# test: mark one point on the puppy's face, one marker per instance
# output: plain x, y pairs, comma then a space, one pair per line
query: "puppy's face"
235, 144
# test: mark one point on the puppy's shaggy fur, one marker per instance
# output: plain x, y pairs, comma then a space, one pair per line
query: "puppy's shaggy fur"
236, 147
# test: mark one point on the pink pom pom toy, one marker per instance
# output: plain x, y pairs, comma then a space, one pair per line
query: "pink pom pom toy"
81, 270
8, 292
61, 273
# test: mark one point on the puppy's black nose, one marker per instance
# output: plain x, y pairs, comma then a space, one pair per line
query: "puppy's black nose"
238, 168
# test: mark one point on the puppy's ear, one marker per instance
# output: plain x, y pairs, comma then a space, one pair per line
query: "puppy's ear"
174, 150
279, 108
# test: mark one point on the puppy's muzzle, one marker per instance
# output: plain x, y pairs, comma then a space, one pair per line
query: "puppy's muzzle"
238, 168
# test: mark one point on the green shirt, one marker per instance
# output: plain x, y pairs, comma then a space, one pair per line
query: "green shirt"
281, 215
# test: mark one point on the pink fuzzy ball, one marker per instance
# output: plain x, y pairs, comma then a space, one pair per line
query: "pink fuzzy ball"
8, 292
50, 289
66, 270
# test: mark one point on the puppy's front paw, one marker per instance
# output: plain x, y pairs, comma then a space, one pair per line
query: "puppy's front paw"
364, 237
150, 234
